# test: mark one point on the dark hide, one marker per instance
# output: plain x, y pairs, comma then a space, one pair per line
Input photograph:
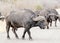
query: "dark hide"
22, 18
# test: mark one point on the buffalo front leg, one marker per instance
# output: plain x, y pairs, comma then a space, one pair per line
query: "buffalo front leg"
48, 26
27, 28
55, 23
14, 31
29, 34
50, 23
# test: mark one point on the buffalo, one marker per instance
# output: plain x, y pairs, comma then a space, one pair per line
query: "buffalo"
23, 18
54, 16
49, 14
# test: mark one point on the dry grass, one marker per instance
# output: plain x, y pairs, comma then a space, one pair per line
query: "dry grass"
2, 26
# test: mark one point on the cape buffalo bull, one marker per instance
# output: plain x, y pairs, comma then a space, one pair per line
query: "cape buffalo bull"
22, 18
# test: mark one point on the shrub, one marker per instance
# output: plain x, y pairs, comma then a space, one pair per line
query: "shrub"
38, 7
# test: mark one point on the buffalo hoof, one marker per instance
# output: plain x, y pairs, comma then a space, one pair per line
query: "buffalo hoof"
17, 37
30, 38
47, 27
55, 26
8, 37
42, 28
23, 37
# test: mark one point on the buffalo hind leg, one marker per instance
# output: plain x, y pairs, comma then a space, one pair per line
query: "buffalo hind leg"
7, 29
48, 26
50, 23
14, 31
24, 34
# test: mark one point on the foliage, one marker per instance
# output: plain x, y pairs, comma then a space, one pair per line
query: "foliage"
38, 7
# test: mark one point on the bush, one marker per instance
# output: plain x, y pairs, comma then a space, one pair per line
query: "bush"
38, 7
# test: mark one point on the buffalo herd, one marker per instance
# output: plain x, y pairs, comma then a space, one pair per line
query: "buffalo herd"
27, 19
